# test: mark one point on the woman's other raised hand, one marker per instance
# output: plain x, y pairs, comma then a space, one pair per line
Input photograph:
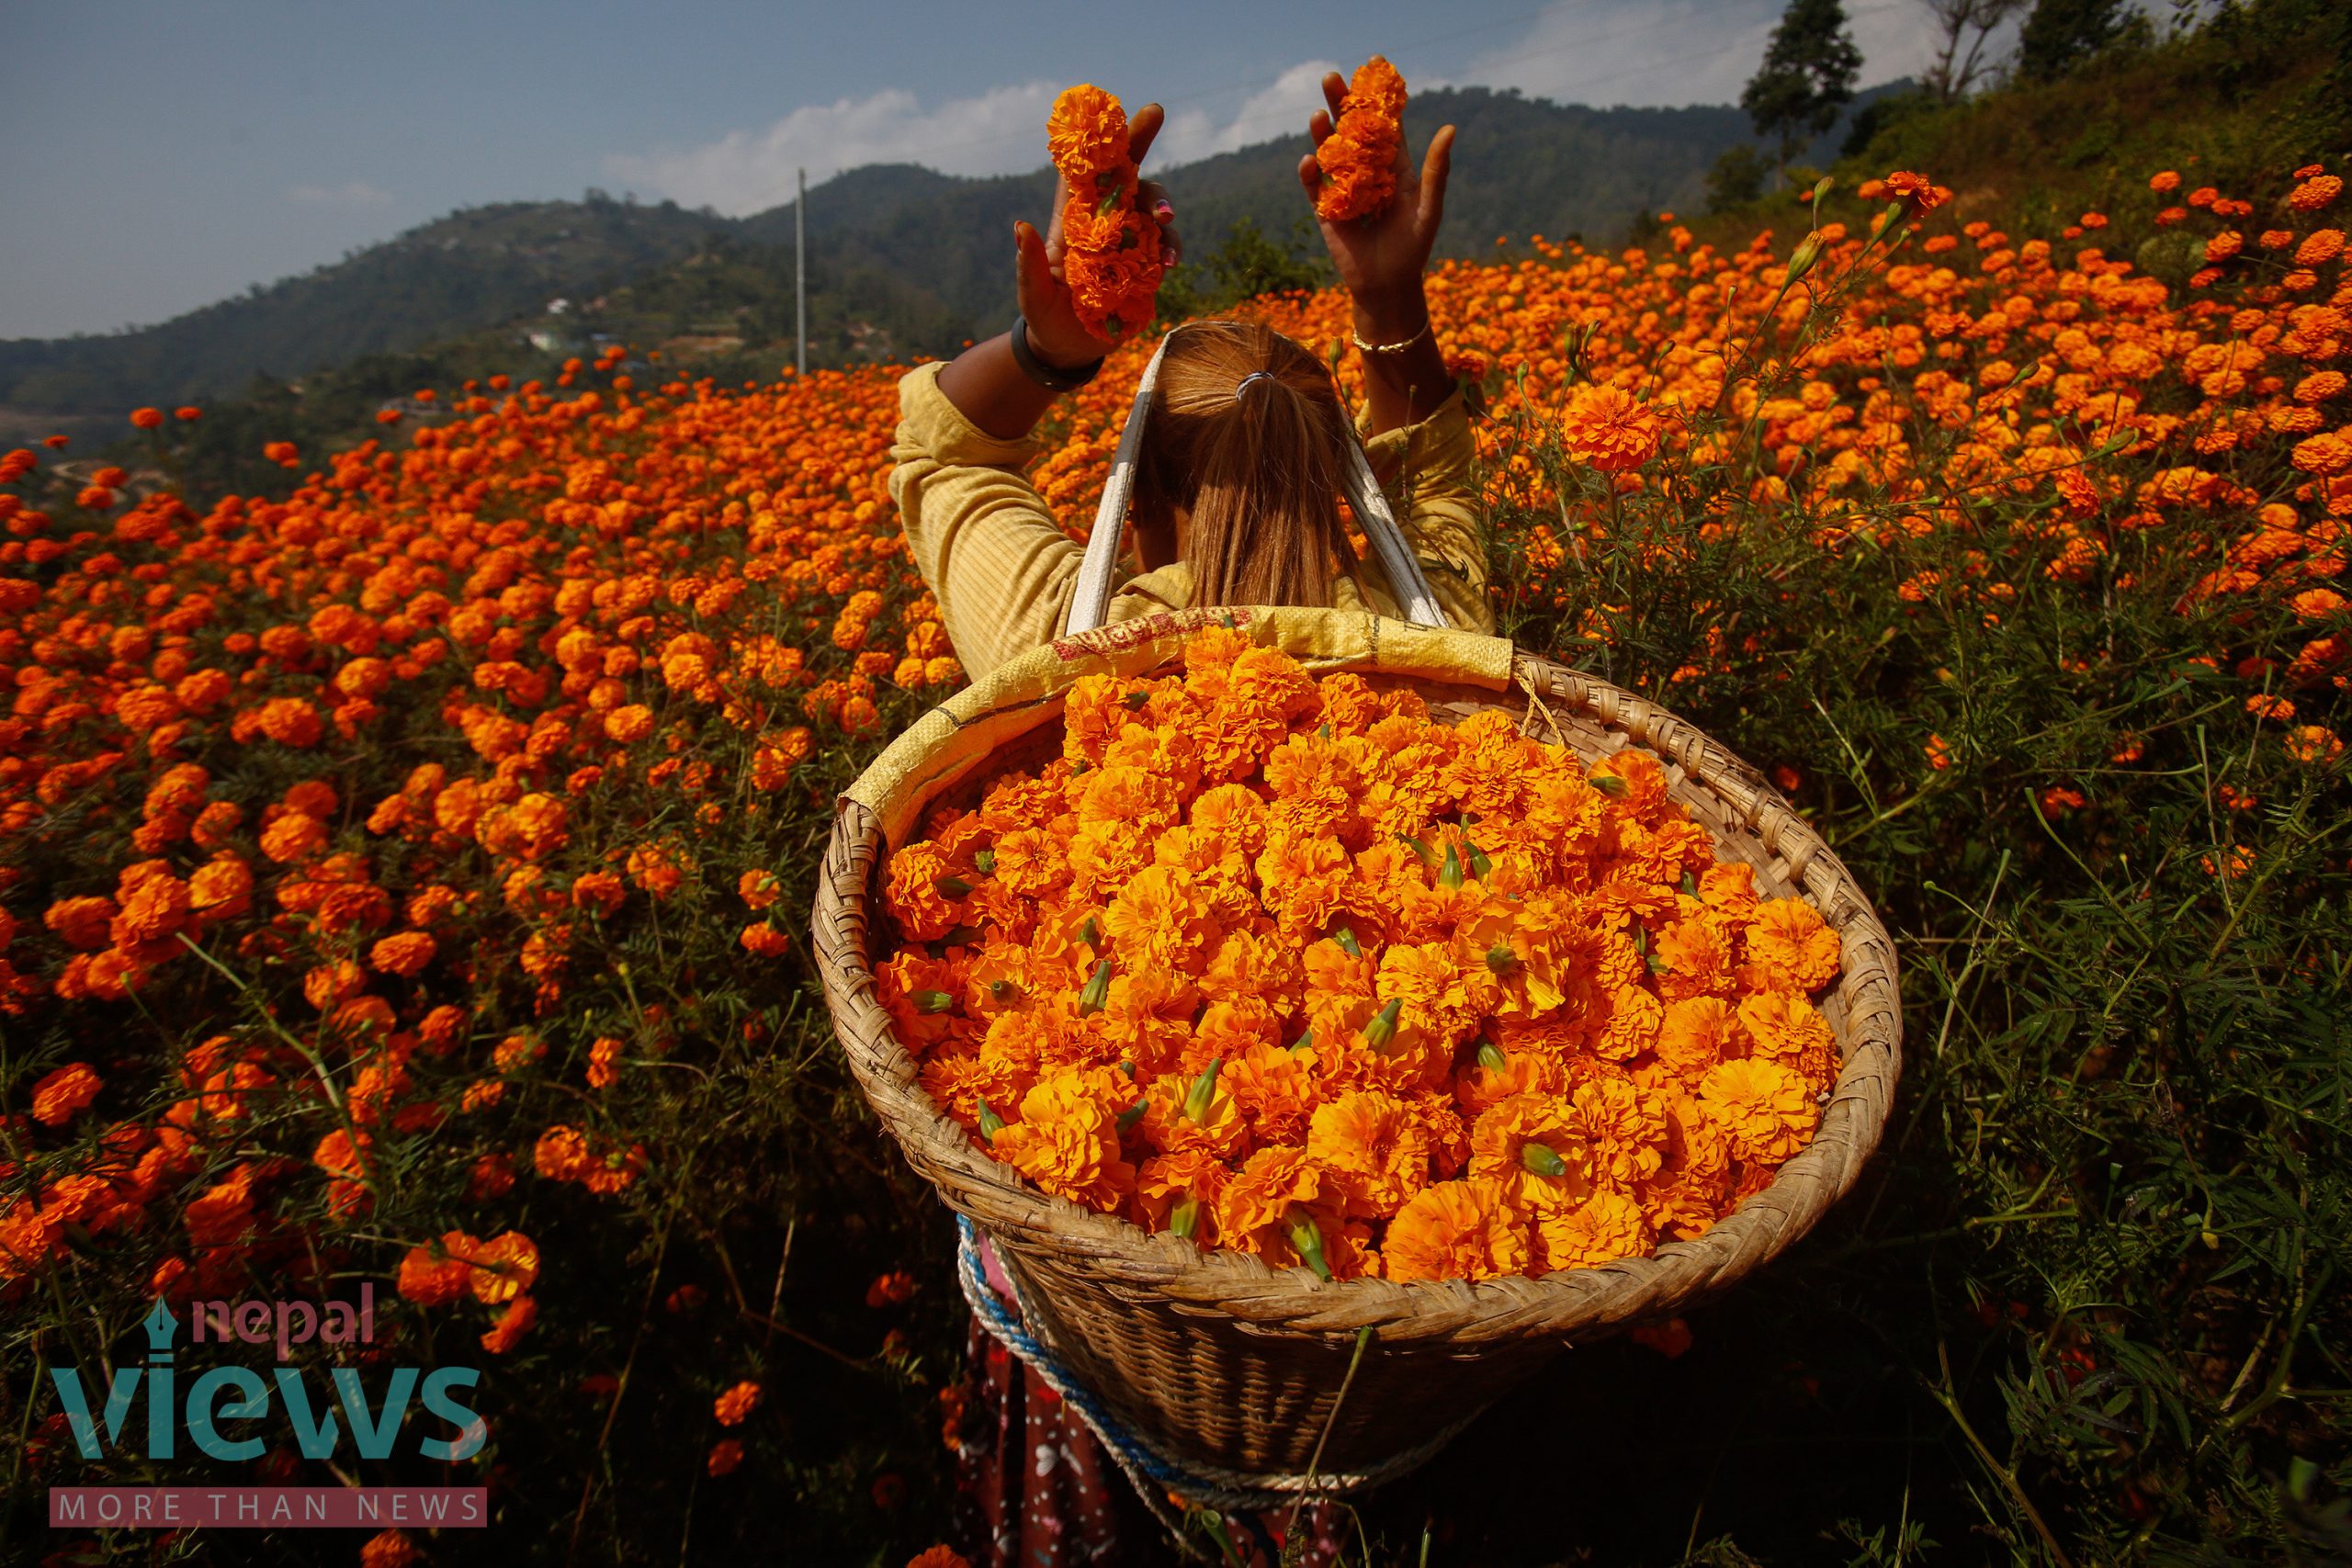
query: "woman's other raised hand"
1381, 258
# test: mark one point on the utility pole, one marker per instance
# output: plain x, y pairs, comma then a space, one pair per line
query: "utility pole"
801, 277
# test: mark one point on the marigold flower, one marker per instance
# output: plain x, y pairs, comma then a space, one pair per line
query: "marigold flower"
64, 1093
389, 1548
1358, 160
736, 1404
1610, 430
405, 954
1457, 1230
512, 1324
1765, 1109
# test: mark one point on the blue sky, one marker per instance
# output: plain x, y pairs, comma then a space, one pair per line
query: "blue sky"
162, 155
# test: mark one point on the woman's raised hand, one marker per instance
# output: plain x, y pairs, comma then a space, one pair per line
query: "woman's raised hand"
1055, 330
1381, 258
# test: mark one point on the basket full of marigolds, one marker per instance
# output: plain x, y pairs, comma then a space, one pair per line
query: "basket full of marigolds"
1253, 979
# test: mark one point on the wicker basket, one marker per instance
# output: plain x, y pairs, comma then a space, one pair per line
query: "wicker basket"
1233, 1369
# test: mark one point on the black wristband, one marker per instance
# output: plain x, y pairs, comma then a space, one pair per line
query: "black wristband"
1045, 374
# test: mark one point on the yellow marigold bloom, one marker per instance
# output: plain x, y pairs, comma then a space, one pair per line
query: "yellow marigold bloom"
1457, 1230
1766, 1109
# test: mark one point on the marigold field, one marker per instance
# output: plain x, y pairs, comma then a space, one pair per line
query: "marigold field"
405, 878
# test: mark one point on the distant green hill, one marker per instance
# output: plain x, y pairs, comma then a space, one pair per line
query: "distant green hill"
902, 260
470, 270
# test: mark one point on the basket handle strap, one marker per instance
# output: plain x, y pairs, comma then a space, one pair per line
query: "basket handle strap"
1097, 574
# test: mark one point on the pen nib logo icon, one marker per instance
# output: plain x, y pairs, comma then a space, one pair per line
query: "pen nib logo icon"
162, 1329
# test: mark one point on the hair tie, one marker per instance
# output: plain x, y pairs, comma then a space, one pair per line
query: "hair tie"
1254, 376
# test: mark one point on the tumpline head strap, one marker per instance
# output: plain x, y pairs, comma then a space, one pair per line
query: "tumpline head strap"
1098, 575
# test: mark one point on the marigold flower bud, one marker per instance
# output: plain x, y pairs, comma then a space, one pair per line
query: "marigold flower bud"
1480, 865
1383, 1028
1307, 1236
1543, 1159
1204, 1090
1802, 259
1097, 994
1490, 1055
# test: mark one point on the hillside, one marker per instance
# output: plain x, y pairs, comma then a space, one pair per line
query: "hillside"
457, 274
903, 260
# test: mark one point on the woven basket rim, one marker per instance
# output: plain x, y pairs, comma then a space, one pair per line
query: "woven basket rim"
1293, 1301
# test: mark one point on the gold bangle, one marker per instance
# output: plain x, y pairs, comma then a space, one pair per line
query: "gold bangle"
1391, 347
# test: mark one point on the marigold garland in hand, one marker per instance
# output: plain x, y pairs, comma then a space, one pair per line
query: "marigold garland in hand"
1283, 965
1359, 158
1111, 253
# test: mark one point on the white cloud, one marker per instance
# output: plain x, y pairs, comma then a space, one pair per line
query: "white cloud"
356, 194
1670, 53
1662, 53
1001, 131
1281, 107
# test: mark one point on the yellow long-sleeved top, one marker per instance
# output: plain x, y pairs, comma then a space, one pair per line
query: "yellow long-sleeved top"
1004, 572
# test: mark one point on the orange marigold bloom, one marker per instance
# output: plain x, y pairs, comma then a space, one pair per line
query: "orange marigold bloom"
512, 1324
1792, 944
435, 1275
503, 1268
2315, 193
725, 1456
1377, 1140
389, 1548
1610, 430
1457, 1230
297, 835
1358, 160
1604, 1228
2313, 744
64, 1093
630, 723
1765, 1109
405, 954
1085, 133
1533, 1148
1920, 193
736, 1404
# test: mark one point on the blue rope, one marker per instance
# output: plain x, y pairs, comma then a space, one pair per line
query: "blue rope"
1134, 1455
